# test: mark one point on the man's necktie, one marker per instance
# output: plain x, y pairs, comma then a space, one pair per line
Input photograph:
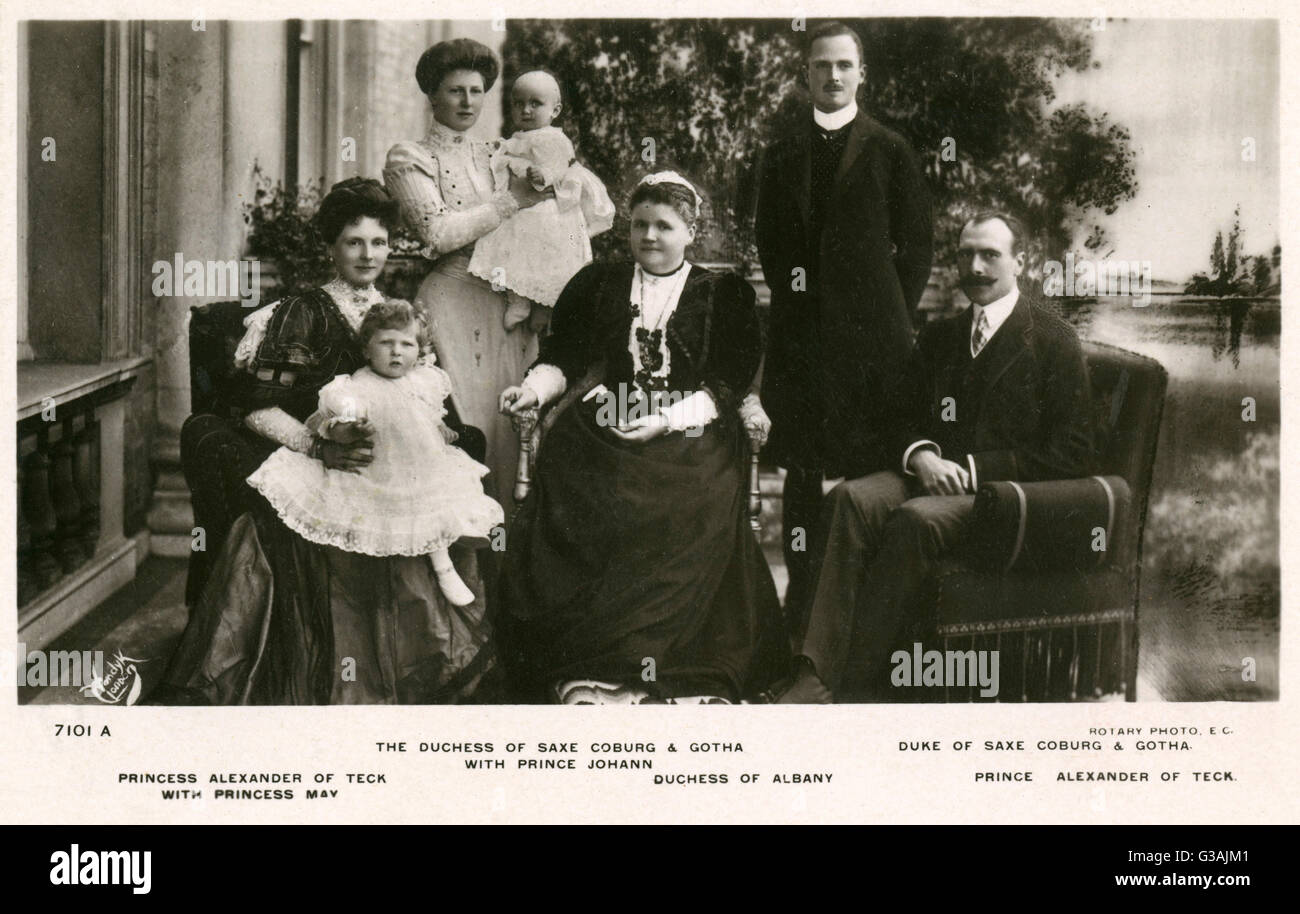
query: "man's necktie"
980, 335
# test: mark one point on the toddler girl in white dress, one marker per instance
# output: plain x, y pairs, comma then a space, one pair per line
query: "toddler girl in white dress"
419, 494
534, 253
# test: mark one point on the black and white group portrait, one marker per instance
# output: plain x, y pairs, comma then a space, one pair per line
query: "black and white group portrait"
630, 361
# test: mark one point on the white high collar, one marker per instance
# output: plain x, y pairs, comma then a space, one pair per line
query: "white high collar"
440, 134
836, 119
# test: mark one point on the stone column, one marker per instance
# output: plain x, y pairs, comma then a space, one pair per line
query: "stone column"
220, 108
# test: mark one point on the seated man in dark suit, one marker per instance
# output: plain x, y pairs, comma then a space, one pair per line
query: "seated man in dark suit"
999, 392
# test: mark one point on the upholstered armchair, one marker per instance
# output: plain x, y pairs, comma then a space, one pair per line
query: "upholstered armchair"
1052, 580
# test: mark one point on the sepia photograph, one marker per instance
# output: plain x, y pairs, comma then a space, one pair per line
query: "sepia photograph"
629, 361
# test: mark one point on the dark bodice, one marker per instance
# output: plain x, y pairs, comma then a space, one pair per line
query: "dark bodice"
307, 343
713, 336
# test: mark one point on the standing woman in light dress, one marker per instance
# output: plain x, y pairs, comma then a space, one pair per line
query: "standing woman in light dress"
450, 197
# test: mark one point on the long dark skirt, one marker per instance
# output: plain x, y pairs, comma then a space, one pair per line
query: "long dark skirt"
283, 621
635, 563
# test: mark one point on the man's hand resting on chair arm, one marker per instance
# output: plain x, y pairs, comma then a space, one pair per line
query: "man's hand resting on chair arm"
939, 476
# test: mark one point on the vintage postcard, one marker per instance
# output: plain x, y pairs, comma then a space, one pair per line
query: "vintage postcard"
870, 419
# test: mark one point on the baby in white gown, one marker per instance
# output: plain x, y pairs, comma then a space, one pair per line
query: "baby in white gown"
534, 253
419, 494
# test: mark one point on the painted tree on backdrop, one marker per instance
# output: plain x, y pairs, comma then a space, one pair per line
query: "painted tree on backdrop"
1234, 273
974, 97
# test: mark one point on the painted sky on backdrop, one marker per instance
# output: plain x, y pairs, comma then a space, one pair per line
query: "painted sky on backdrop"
1189, 91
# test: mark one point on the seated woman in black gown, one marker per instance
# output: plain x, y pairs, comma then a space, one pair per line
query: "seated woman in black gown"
632, 561
281, 620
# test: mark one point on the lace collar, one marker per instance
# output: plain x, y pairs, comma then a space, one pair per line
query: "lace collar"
440, 136
353, 302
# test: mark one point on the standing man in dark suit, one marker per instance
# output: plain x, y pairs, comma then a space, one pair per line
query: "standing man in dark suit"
844, 235
998, 392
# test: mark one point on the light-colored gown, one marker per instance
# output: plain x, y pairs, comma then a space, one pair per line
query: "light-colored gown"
419, 495
450, 198
536, 251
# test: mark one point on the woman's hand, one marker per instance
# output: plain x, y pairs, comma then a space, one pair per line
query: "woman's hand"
350, 431
758, 425
524, 193
347, 457
642, 429
516, 400
539, 318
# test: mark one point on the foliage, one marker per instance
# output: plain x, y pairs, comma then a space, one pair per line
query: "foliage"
1231, 271
710, 93
281, 232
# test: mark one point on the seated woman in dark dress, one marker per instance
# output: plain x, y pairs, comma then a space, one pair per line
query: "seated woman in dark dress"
281, 620
632, 561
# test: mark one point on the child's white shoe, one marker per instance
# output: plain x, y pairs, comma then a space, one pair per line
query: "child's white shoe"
452, 587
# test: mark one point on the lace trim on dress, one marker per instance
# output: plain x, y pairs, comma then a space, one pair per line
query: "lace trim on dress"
653, 301
547, 381
276, 425
352, 302
254, 331
289, 481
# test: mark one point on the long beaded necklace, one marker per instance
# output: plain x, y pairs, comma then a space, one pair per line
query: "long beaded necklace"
649, 340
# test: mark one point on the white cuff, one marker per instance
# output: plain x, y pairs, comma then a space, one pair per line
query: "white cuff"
280, 427
695, 411
547, 381
907, 454
974, 478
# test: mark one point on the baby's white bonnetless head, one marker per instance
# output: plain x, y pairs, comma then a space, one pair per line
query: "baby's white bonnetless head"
535, 100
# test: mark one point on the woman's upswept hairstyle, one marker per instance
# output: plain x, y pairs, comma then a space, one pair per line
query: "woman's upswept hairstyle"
351, 200
456, 54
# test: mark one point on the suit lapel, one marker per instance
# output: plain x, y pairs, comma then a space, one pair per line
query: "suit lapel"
857, 140
1008, 344
957, 360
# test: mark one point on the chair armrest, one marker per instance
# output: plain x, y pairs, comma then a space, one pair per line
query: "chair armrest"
1067, 524
755, 420
217, 456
